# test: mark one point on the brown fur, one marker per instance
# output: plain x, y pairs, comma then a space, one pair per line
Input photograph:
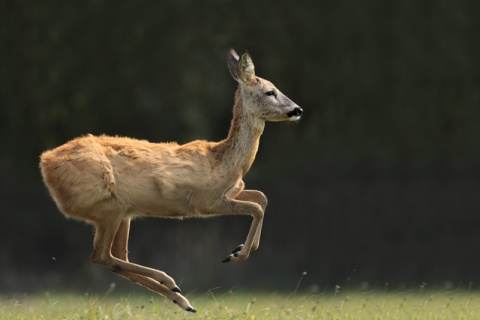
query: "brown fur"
108, 180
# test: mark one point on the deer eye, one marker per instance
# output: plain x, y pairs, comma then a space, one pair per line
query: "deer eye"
271, 93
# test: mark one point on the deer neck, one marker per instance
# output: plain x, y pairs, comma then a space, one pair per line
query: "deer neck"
241, 145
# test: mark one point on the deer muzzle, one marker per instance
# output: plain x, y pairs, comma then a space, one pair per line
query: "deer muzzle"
297, 113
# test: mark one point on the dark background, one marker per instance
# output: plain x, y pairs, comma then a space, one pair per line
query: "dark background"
378, 183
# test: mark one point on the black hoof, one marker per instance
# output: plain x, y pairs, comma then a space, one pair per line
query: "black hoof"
228, 259
176, 289
238, 248
191, 309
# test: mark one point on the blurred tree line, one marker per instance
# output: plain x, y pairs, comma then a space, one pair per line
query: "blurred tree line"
379, 182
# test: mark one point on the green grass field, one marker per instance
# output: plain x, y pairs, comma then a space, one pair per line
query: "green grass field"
341, 305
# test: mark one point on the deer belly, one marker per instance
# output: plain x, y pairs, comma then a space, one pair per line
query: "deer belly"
153, 199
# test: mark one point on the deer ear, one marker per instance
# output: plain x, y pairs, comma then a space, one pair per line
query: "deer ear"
232, 61
241, 68
245, 67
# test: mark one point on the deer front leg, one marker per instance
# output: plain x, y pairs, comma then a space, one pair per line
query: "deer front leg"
242, 252
257, 197
237, 206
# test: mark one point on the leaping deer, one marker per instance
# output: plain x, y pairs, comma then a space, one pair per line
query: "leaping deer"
107, 181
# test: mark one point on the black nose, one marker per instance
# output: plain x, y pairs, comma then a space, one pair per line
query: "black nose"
295, 112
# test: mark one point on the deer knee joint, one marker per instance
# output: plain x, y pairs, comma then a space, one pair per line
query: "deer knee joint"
258, 213
263, 201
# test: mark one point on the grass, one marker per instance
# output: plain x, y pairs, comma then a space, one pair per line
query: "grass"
335, 305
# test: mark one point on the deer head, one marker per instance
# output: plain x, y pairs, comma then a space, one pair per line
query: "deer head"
261, 98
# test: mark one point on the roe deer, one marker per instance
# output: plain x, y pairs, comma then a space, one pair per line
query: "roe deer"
107, 181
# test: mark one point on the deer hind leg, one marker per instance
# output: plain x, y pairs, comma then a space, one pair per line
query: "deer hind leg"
244, 203
110, 250
157, 287
120, 242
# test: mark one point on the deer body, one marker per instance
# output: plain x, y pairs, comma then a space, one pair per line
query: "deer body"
109, 180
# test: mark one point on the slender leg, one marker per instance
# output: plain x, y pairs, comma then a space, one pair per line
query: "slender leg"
105, 232
158, 281
155, 286
102, 254
235, 206
120, 242
256, 239
261, 199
